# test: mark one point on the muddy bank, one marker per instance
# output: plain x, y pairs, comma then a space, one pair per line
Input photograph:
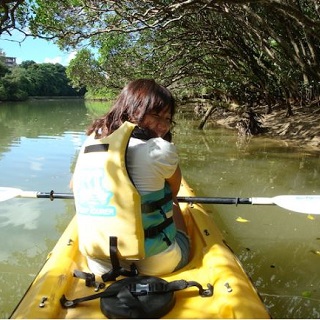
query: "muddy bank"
301, 130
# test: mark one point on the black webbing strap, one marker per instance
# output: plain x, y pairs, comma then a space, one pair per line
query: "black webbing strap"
138, 289
97, 148
155, 205
154, 231
117, 270
89, 278
128, 292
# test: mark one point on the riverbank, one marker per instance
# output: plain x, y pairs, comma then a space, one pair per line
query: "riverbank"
301, 130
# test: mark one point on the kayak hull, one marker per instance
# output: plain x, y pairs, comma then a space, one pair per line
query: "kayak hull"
212, 262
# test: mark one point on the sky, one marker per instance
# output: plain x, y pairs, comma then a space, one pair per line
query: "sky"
38, 50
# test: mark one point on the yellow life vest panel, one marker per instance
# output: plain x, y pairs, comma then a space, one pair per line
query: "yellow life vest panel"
107, 202
109, 205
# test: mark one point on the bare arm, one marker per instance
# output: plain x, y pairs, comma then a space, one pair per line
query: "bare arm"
174, 182
71, 183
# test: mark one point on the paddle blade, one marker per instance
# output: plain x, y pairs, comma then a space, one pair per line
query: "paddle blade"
303, 204
9, 193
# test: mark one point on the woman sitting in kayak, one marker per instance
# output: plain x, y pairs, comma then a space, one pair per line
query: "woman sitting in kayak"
126, 181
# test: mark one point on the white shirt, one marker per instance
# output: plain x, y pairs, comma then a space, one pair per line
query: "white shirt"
151, 162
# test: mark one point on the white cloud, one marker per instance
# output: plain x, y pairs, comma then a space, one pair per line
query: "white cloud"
62, 60
71, 56
57, 59
36, 163
28, 218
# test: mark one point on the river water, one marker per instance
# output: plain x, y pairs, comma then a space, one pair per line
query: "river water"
279, 249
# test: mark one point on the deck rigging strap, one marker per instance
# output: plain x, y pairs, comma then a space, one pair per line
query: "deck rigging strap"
139, 297
140, 286
136, 296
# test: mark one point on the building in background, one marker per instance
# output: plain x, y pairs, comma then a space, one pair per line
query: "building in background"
8, 61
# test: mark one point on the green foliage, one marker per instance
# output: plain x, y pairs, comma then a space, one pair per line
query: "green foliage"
97, 108
33, 79
249, 51
84, 70
3, 68
103, 93
11, 87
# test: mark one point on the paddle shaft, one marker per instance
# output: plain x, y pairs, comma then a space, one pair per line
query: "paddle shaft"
46, 195
308, 204
209, 200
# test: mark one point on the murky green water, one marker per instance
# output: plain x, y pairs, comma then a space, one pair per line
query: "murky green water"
279, 249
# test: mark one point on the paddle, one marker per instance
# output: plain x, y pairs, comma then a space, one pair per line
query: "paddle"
308, 204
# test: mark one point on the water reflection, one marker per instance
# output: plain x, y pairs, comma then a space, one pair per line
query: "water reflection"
279, 249
38, 143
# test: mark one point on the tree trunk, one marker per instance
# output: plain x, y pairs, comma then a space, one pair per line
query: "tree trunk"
206, 116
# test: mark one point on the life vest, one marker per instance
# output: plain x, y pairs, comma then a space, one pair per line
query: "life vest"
108, 204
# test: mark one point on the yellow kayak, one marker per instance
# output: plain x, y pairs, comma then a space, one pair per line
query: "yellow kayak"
212, 262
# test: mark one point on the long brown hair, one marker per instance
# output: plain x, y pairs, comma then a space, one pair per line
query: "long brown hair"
138, 98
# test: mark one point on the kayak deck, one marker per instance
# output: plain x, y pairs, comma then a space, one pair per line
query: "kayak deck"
211, 262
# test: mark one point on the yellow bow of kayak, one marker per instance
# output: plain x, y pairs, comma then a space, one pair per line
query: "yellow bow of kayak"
211, 262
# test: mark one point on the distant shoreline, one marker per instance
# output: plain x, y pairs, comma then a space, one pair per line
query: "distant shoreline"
54, 97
